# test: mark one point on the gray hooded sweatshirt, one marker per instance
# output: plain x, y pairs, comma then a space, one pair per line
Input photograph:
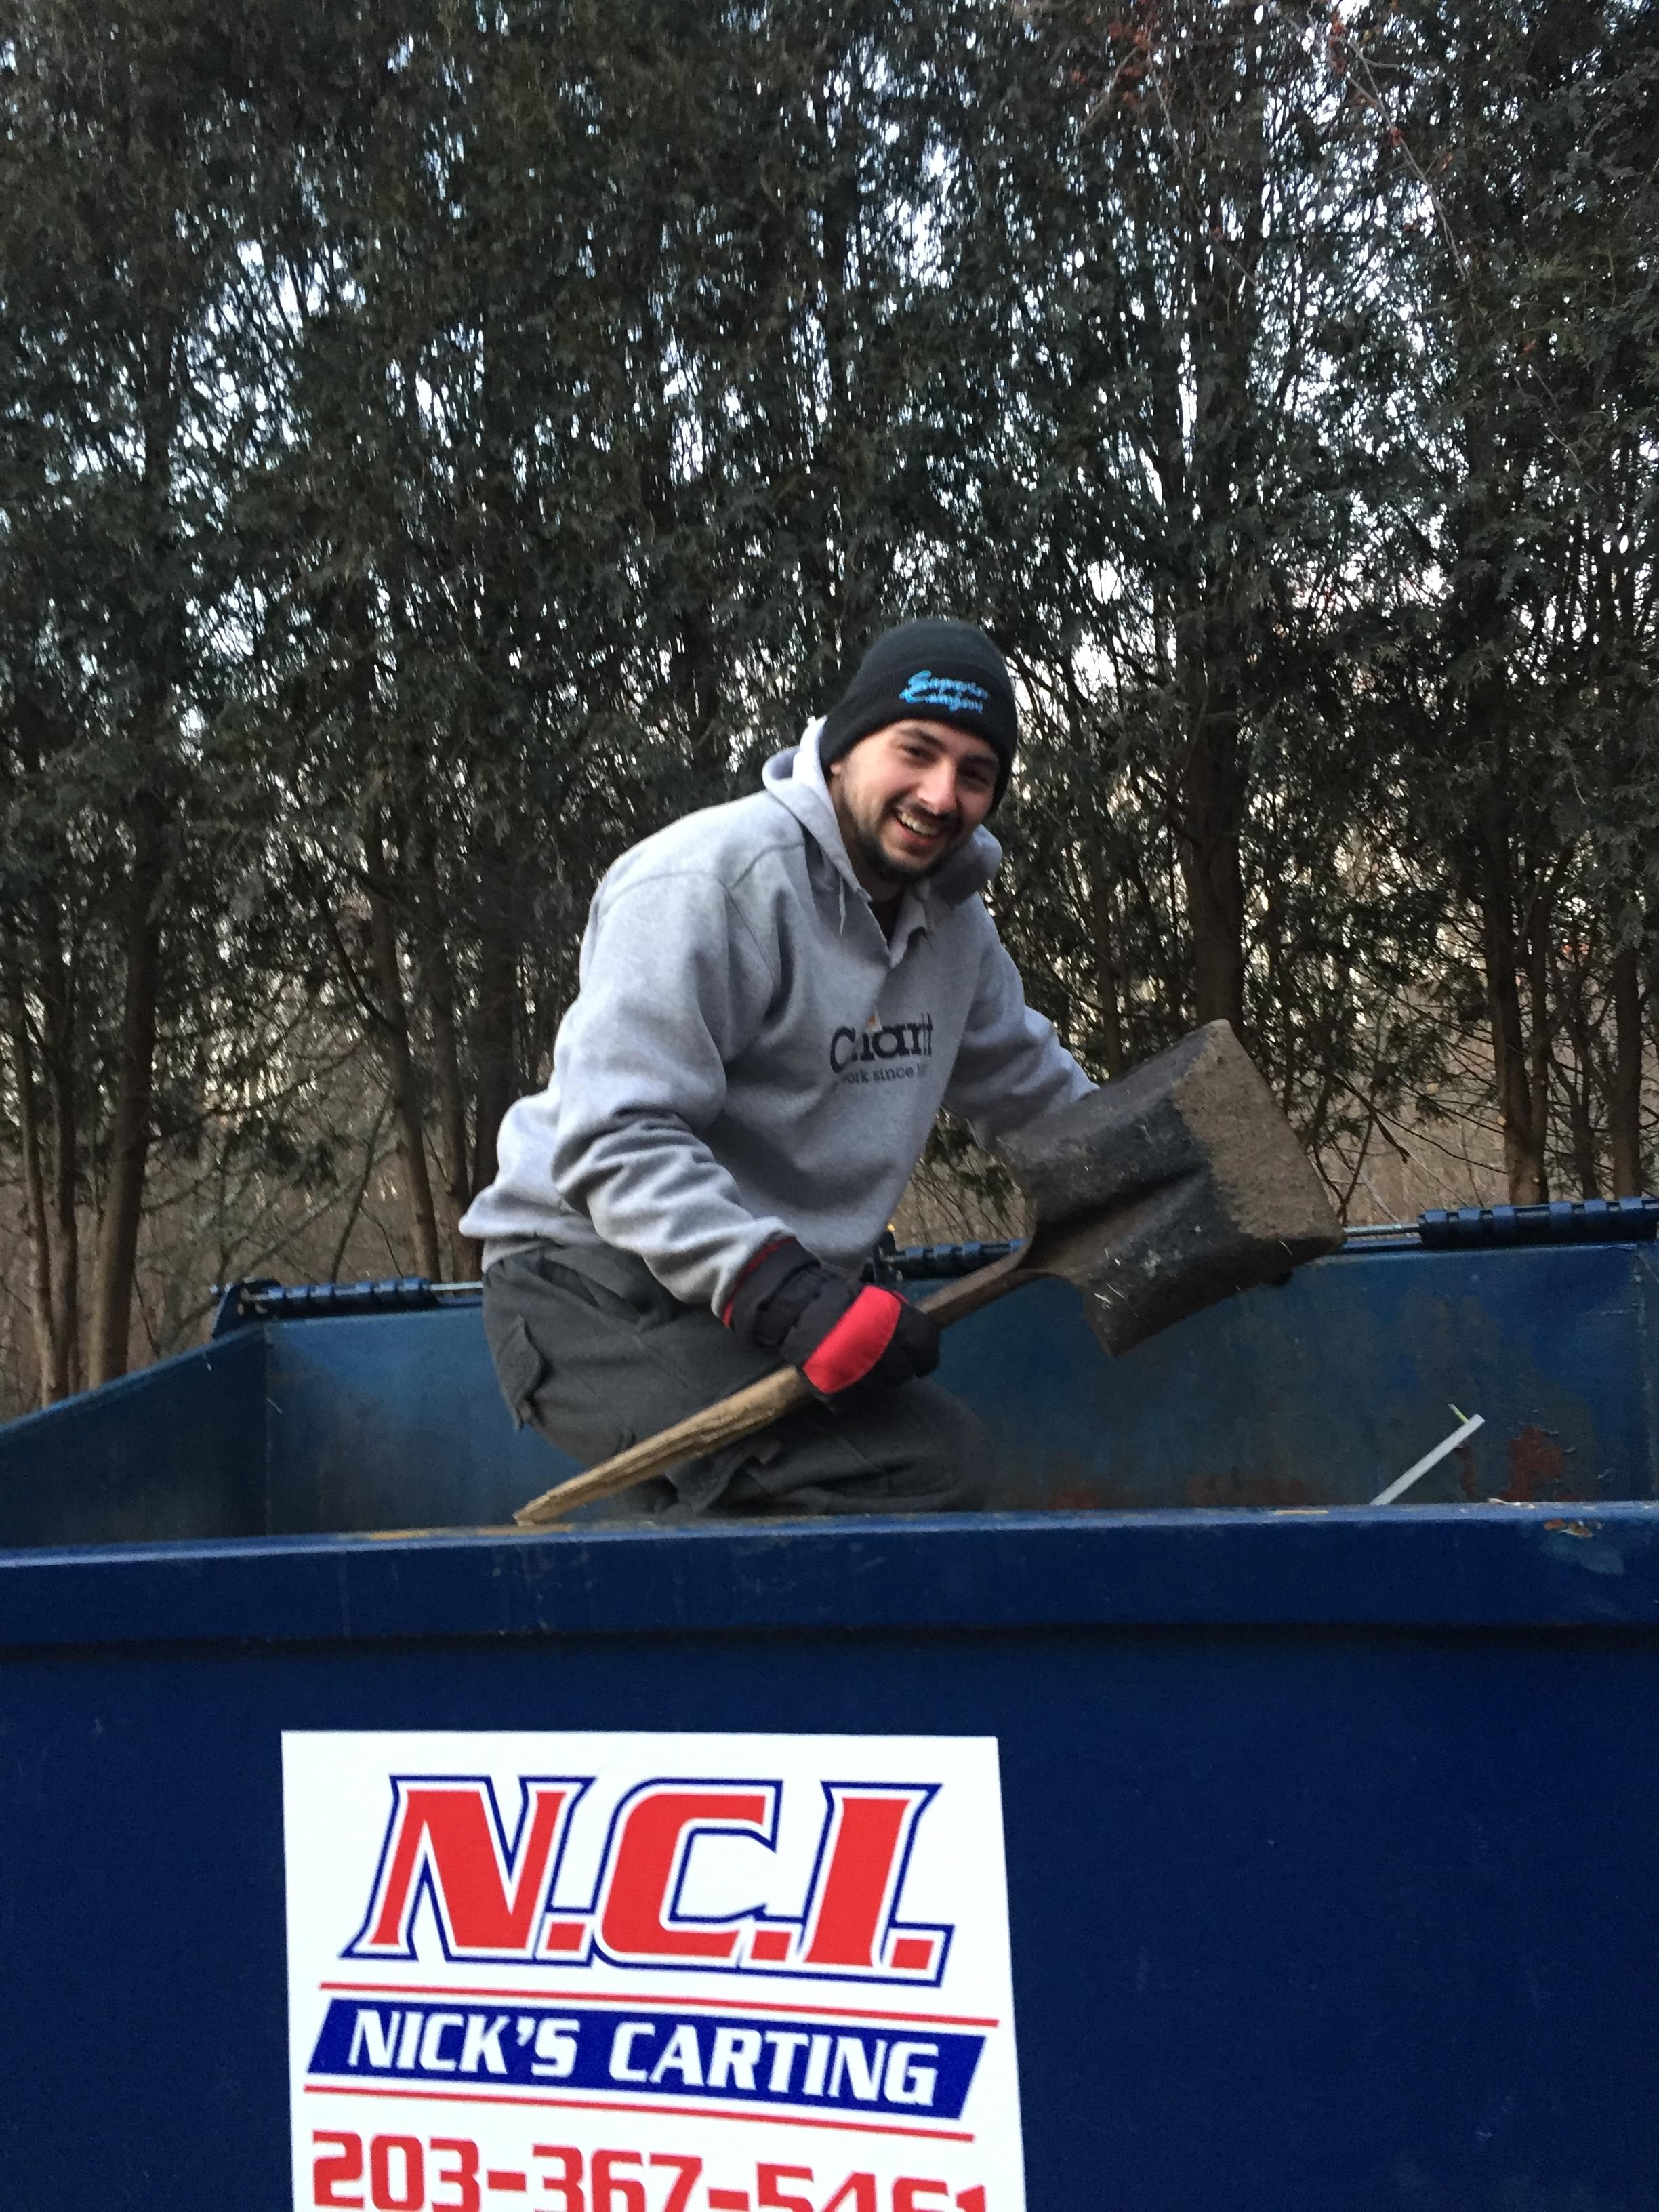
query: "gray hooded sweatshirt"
748, 1056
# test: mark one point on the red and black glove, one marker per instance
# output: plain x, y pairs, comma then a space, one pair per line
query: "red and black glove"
849, 1339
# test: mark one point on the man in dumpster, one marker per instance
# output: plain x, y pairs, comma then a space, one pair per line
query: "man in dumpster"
777, 996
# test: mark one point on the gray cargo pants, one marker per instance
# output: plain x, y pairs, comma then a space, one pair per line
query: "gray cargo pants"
595, 1355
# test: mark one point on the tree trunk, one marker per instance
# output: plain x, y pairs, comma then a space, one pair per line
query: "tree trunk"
59, 993
1507, 956
429, 917
498, 707
1523, 1172
438, 981
393, 1028
159, 654
1624, 1103
49, 1382
130, 1125
1509, 1041
697, 667
1209, 822
1224, 204
1570, 994
498, 977
45, 1048
1538, 989
1107, 982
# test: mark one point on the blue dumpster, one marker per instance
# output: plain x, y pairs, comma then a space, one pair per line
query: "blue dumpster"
1326, 1828
1329, 1836
1317, 1392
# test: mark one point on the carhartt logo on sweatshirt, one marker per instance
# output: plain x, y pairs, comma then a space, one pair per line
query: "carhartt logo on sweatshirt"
870, 1056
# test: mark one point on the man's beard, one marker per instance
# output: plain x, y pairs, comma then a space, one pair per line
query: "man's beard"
880, 862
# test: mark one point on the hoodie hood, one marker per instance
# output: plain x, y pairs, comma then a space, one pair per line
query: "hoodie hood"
795, 779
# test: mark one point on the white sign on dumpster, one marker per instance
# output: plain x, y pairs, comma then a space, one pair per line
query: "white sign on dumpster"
642, 1972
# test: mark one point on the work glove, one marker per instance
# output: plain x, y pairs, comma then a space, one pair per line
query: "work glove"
849, 1339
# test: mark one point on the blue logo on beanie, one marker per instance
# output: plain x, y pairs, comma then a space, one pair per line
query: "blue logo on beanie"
954, 694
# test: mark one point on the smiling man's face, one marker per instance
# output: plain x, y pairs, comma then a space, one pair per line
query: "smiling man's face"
906, 797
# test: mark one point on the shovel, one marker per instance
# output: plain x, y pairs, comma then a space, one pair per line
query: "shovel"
1162, 1192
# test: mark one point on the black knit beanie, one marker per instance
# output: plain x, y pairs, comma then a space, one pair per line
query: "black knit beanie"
930, 671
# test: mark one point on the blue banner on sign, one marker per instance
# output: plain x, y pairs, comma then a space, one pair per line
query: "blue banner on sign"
762, 2060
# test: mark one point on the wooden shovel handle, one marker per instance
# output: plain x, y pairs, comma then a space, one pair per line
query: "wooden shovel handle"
723, 1423
744, 1413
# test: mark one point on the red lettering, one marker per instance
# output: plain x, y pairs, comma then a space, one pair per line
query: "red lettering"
614, 2191
687, 2172
464, 2177
648, 1863
332, 2168
570, 2183
868, 1832
905, 2198
446, 1835
409, 2193
770, 2197
857, 2193
971, 2200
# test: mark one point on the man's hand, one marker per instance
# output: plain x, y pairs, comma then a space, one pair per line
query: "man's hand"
849, 1339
